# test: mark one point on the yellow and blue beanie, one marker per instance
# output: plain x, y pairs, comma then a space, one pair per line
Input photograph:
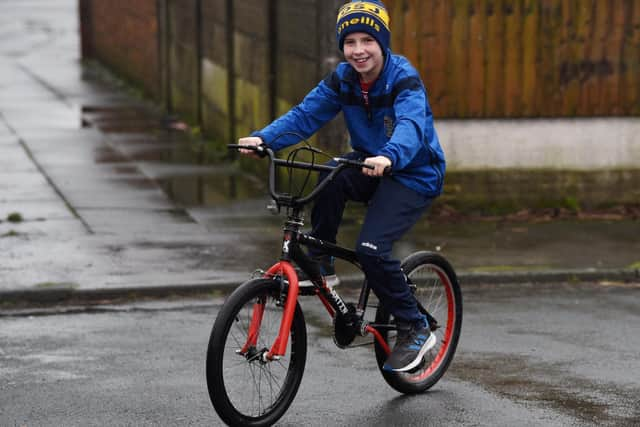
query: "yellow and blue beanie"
369, 17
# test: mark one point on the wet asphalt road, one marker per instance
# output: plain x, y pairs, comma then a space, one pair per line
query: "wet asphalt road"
543, 355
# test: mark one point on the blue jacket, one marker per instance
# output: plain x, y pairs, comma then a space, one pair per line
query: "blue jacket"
398, 123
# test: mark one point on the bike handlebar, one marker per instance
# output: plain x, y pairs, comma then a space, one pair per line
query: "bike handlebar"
290, 200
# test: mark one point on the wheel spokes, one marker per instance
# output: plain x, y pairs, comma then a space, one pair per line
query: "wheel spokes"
253, 384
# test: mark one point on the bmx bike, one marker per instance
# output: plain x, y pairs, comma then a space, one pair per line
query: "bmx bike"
257, 349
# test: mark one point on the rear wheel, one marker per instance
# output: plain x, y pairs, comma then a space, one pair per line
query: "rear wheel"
246, 389
437, 291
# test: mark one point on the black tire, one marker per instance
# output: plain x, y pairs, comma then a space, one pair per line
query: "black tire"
437, 290
254, 393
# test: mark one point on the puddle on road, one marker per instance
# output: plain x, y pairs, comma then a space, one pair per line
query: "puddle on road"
520, 378
226, 198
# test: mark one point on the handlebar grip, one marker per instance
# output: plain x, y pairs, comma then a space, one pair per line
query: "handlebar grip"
354, 163
260, 150
360, 164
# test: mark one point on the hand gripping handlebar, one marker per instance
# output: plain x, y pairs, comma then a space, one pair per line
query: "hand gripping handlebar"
287, 199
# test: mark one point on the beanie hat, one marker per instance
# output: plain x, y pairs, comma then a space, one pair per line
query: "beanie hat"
369, 17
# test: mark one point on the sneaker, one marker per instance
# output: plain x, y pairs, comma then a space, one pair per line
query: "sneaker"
413, 342
325, 264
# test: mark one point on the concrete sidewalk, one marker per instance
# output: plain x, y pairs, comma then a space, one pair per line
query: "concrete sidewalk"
83, 214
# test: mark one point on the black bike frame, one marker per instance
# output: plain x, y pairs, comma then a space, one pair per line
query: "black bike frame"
332, 301
295, 239
291, 251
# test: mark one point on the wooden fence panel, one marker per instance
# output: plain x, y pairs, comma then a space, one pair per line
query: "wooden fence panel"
530, 43
458, 64
434, 45
513, 57
631, 55
547, 58
597, 65
611, 84
477, 53
523, 58
494, 78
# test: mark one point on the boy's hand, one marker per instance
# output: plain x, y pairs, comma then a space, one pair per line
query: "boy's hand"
250, 140
379, 164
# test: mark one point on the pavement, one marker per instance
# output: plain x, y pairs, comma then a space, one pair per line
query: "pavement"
101, 198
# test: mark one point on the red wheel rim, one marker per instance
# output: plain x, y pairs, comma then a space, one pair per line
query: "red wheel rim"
446, 339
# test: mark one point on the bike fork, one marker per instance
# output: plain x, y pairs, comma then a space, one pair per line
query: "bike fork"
277, 350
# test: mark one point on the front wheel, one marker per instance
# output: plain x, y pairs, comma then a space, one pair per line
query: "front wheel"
437, 291
246, 389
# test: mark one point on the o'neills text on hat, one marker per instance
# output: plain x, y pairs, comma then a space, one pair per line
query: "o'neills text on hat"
363, 8
370, 17
361, 20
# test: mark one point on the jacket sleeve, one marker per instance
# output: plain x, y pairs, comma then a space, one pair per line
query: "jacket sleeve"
317, 108
411, 111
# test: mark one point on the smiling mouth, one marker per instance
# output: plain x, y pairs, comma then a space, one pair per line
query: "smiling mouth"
361, 60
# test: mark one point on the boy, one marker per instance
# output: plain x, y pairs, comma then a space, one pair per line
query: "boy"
390, 123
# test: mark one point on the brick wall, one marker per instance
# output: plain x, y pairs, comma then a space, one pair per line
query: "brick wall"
228, 66
123, 34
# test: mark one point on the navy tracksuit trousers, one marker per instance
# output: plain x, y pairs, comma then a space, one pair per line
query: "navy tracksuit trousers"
392, 210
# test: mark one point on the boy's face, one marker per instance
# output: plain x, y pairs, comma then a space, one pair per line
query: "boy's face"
364, 54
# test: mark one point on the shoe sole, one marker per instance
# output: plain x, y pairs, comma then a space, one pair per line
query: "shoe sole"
428, 345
